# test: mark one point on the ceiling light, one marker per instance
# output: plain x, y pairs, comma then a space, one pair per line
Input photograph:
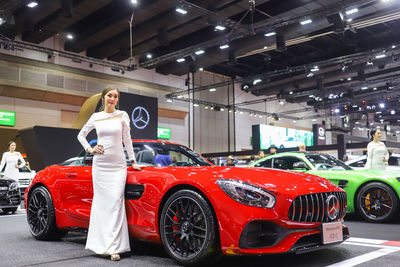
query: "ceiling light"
32, 4
349, 20
206, 107
269, 34
169, 100
181, 10
201, 69
212, 89
134, 2
349, 79
149, 56
212, 108
310, 75
369, 62
382, 105
195, 105
70, 36
220, 28
364, 88
2, 21
375, 89
225, 46
222, 109
281, 102
199, 52
351, 11
291, 93
265, 47
392, 112
180, 60
315, 68
393, 46
314, 120
380, 56
294, 121
180, 96
305, 22
256, 81
241, 112
354, 106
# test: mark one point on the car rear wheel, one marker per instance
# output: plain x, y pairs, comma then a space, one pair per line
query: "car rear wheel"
41, 215
188, 229
377, 202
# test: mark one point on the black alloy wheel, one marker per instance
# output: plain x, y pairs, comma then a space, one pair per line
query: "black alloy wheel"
188, 229
41, 215
377, 202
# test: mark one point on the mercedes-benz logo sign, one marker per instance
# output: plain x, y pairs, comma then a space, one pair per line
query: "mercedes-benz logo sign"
321, 131
140, 117
332, 207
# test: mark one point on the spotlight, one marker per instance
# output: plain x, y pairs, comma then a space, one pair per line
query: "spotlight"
149, 56
220, 28
225, 46
351, 11
2, 20
369, 62
337, 110
169, 100
315, 68
212, 89
269, 34
134, 2
32, 4
201, 69
305, 22
309, 75
281, 102
70, 36
180, 60
195, 105
181, 10
256, 81
382, 105
199, 52
380, 56
392, 112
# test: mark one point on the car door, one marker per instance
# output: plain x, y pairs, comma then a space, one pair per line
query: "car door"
76, 190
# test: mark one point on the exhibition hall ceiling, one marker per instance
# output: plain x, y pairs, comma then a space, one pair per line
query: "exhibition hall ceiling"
335, 55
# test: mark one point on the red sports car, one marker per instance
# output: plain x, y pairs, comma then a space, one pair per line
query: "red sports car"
196, 210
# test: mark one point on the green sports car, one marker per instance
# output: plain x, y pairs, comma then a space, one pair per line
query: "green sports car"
373, 194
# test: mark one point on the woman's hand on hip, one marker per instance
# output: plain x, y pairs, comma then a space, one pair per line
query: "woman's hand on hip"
97, 149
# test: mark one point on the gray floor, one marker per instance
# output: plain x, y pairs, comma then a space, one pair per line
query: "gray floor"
19, 248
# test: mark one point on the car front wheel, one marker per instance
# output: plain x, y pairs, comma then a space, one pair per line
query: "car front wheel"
188, 229
41, 216
377, 202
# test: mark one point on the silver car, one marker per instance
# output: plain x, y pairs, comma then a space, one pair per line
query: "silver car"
359, 163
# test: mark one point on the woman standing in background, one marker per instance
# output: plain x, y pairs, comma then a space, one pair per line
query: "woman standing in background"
10, 160
377, 154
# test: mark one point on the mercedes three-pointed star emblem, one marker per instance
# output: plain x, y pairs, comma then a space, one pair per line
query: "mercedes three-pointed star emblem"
140, 117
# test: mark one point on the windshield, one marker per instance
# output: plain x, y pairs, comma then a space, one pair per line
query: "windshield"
326, 162
165, 154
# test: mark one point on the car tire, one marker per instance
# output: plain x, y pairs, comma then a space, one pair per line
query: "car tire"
11, 210
377, 202
188, 229
41, 216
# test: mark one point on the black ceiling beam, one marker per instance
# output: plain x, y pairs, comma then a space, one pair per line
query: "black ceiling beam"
145, 31
56, 22
106, 21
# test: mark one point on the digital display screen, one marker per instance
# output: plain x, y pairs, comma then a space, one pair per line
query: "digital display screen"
283, 137
7, 118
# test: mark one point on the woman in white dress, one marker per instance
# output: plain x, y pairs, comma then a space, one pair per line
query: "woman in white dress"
377, 154
10, 159
108, 228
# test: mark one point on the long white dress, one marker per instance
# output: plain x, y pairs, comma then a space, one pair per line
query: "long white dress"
376, 152
10, 160
108, 228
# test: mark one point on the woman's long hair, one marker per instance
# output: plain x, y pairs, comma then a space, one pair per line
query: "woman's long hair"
372, 133
107, 89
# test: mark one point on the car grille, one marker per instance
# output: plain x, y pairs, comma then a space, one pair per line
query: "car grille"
313, 207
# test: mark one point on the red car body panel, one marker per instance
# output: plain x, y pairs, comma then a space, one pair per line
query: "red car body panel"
71, 190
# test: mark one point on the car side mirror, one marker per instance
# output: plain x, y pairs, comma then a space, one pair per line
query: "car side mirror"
300, 165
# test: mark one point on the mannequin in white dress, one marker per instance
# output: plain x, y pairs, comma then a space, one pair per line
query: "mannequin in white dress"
108, 229
10, 159
377, 154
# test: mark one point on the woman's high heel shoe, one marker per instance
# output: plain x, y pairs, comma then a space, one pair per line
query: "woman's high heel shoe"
115, 257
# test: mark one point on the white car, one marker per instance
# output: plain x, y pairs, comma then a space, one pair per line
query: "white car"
359, 163
25, 178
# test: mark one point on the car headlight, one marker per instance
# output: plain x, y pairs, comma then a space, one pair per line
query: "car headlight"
247, 194
13, 186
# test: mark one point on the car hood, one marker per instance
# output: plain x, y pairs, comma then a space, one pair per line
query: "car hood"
270, 179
